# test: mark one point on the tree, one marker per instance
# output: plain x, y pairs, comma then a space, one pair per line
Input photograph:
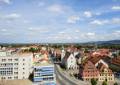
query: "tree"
93, 81
33, 50
104, 83
115, 83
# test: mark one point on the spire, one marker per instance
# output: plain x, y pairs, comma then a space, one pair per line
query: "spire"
62, 47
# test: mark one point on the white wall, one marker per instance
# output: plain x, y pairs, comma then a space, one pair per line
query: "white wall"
23, 62
71, 62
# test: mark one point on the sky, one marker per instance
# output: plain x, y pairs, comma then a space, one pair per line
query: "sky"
59, 21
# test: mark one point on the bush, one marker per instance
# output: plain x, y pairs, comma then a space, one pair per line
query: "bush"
104, 83
93, 81
115, 83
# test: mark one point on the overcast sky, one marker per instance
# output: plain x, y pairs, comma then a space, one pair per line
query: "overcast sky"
38, 21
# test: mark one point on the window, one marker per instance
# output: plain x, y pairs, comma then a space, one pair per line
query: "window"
16, 59
3, 78
9, 59
16, 68
23, 59
15, 72
9, 77
3, 60
16, 64
51, 78
16, 77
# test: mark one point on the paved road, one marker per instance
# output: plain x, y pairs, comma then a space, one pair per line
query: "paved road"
117, 80
62, 80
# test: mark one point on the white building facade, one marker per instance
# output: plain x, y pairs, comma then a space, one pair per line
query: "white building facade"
15, 66
71, 62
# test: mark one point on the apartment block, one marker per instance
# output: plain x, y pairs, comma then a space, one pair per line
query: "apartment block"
15, 65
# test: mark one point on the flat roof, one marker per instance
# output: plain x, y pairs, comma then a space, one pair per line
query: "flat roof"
18, 55
43, 63
23, 54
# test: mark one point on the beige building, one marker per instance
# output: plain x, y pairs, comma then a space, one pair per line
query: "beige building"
97, 69
105, 74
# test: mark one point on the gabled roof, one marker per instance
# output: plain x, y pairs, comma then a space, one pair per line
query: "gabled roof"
78, 56
94, 60
116, 61
89, 66
101, 68
67, 54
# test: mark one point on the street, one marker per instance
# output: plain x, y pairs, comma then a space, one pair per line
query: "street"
62, 80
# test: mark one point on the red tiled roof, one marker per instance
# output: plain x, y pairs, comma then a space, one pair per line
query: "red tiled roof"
116, 61
89, 66
94, 60
101, 68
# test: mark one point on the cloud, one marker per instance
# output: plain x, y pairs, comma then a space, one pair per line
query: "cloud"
5, 1
62, 32
115, 8
73, 19
12, 16
116, 33
56, 8
40, 4
3, 30
116, 20
77, 31
99, 22
26, 21
98, 13
8, 34
9, 17
90, 34
63, 36
103, 22
38, 30
88, 14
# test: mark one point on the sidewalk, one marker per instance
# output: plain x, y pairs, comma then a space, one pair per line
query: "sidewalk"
76, 80
16, 82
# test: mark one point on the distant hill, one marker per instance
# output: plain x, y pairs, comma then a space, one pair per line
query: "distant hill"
108, 42
78, 43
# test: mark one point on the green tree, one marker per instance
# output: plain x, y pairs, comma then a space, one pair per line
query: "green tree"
104, 83
33, 50
115, 83
93, 81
